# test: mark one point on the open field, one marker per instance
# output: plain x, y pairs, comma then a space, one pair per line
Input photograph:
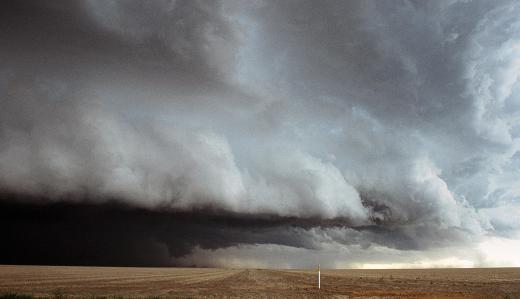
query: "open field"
46, 281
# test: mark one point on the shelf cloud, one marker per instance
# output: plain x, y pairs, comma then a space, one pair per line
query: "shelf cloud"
214, 132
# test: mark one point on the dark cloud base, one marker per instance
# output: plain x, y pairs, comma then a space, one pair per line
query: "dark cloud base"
114, 234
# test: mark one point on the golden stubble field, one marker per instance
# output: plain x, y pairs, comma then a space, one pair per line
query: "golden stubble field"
47, 281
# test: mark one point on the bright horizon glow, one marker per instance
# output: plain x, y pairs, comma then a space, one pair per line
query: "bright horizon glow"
500, 252
452, 262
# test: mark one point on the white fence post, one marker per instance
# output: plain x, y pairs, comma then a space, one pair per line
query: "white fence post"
319, 277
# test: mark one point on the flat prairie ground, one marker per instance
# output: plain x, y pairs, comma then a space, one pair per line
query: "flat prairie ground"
116, 282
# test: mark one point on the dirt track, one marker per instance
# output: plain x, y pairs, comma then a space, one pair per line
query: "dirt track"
254, 283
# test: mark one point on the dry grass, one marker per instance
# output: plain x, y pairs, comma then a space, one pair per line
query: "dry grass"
59, 282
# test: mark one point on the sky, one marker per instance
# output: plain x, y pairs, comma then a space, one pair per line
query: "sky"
279, 134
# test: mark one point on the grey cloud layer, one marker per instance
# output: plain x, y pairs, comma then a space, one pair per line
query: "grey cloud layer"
398, 116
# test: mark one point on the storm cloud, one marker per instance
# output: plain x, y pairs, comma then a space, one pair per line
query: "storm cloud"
209, 128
